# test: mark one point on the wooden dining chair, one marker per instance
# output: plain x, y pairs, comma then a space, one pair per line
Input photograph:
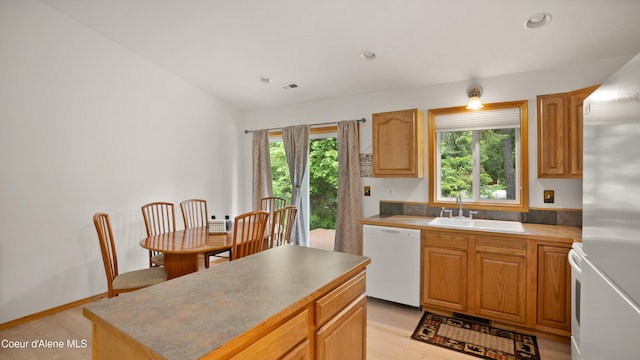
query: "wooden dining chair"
194, 214
248, 233
271, 204
159, 218
122, 282
282, 225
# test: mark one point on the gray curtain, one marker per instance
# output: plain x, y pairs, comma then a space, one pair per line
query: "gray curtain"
296, 148
261, 167
348, 229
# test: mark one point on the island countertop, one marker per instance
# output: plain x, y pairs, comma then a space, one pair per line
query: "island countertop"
193, 315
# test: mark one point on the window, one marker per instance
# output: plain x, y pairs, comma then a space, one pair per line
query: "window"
480, 155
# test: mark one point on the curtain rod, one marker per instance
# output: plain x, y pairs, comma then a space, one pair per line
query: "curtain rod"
318, 124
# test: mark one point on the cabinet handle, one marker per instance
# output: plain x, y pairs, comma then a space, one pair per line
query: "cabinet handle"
574, 260
390, 231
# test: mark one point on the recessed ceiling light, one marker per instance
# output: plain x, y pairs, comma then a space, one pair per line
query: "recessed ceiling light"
368, 55
265, 79
537, 21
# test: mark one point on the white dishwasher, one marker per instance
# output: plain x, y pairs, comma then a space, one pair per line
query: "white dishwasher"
394, 272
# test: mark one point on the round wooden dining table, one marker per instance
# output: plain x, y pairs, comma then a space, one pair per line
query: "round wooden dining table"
181, 248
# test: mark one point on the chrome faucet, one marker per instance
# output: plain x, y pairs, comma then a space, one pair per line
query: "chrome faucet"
460, 213
443, 210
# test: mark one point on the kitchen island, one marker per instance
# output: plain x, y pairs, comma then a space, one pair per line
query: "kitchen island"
290, 300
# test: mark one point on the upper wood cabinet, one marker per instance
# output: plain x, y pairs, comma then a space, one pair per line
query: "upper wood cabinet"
398, 144
560, 133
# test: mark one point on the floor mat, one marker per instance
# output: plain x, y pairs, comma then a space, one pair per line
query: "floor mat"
474, 338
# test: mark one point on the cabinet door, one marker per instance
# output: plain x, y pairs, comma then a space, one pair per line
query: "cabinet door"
554, 287
300, 352
553, 146
576, 98
398, 144
444, 278
286, 340
344, 336
500, 284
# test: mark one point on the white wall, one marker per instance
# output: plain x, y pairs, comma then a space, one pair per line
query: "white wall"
87, 126
523, 86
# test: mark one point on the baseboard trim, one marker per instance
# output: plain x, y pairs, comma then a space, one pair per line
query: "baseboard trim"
57, 309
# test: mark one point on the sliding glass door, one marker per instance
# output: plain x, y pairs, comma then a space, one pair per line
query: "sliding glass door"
320, 186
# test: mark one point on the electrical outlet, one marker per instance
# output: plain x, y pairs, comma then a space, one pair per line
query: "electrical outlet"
549, 196
367, 191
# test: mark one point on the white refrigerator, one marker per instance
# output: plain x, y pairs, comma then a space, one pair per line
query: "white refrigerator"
609, 294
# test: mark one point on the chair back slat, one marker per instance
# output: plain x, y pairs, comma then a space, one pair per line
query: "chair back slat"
248, 233
282, 225
271, 204
159, 218
194, 213
107, 247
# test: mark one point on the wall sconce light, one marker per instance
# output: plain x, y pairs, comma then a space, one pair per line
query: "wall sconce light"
474, 93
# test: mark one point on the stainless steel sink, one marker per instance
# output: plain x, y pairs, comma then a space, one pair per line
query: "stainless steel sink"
477, 224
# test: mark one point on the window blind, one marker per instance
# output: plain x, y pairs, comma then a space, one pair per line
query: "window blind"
479, 120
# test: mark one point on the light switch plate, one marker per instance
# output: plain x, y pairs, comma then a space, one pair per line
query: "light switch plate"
549, 196
367, 191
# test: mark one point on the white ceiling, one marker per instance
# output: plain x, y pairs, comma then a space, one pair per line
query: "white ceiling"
224, 46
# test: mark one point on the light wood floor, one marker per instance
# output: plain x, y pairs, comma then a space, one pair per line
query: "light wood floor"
389, 328
63, 326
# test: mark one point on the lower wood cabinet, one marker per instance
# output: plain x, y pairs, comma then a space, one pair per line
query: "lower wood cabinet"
501, 278
337, 325
341, 321
444, 262
507, 278
343, 337
288, 339
500, 282
300, 352
554, 288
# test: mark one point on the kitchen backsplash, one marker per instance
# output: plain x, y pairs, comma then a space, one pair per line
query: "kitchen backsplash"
534, 216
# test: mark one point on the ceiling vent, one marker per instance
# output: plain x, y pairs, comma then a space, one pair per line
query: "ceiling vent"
288, 86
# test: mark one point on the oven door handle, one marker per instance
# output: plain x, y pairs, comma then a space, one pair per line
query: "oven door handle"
574, 261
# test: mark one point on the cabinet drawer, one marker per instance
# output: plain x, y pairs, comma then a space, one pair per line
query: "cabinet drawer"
332, 303
457, 242
506, 246
280, 341
344, 336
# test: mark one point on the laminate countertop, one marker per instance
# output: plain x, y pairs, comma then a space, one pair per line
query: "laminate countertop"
538, 231
193, 315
